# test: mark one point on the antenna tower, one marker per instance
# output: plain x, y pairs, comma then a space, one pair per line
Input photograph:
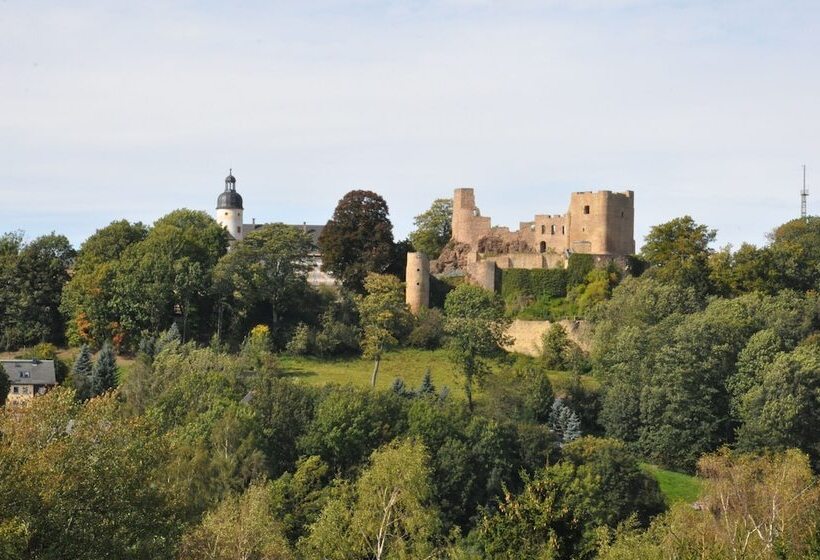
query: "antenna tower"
804, 194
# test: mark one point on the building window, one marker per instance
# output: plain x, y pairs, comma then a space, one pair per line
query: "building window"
552, 230
586, 209
562, 230
543, 247
238, 229
15, 389
543, 229
622, 213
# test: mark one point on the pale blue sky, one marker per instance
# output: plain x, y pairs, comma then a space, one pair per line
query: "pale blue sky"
129, 110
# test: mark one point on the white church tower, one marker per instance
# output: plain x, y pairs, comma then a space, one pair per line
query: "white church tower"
229, 208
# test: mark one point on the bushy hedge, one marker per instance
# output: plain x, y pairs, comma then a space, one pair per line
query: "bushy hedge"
533, 283
578, 267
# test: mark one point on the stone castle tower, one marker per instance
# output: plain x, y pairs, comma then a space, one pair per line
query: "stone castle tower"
597, 223
229, 208
417, 281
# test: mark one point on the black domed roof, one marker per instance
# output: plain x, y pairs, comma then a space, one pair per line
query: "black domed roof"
229, 200
230, 178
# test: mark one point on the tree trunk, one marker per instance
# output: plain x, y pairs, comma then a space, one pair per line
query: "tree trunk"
377, 361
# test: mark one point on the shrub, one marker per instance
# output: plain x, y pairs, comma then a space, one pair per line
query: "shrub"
336, 338
578, 267
532, 284
302, 341
428, 331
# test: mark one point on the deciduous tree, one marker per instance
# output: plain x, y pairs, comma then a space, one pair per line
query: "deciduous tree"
264, 278
433, 228
678, 252
385, 317
387, 514
358, 239
239, 528
476, 325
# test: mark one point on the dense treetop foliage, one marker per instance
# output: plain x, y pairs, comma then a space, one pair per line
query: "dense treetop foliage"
433, 228
358, 239
32, 276
202, 444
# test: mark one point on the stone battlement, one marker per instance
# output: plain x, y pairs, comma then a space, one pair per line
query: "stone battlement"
597, 222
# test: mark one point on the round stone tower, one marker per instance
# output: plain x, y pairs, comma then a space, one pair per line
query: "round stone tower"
417, 292
229, 208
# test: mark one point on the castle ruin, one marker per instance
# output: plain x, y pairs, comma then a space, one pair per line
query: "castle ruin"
599, 223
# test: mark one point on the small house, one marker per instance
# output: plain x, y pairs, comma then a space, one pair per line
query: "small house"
28, 378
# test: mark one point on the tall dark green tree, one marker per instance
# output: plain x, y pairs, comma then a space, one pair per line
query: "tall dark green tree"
782, 409
358, 239
4, 385
32, 277
168, 274
795, 254
104, 372
678, 252
83, 372
263, 279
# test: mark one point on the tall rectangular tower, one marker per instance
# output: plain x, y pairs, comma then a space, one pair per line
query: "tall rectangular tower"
602, 223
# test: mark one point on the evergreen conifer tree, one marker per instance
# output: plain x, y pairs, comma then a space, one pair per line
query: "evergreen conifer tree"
82, 370
564, 421
399, 387
426, 387
168, 337
570, 424
5, 385
104, 373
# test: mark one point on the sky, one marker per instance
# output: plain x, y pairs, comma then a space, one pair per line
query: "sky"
112, 110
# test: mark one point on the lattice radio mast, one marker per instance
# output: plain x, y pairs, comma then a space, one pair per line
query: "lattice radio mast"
804, 194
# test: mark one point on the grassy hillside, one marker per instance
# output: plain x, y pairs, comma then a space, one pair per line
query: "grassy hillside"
409, 364
676, 487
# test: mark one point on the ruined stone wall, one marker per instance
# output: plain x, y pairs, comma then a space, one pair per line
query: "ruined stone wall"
550, 233
527, 335
596, 223
483, 273
520, 260
600, 223
468, 224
